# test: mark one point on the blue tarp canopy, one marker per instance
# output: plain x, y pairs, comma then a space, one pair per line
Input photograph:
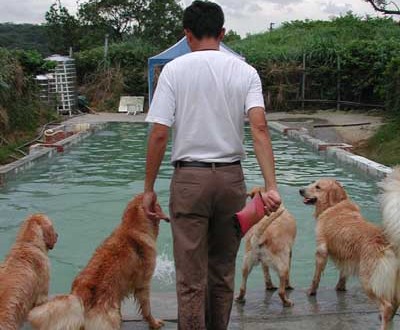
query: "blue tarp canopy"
180, 48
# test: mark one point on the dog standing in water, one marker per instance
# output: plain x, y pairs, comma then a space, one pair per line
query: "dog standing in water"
122, 265
270, 243
356, 246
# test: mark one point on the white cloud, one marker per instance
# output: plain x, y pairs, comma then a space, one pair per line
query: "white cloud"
29, 11
336, 9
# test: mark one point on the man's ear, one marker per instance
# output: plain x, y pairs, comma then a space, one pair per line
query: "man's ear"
189, 35
222, 34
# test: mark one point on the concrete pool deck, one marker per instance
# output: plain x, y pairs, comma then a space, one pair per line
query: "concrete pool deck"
350, 310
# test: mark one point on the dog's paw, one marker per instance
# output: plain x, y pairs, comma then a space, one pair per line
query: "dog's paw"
288, 303
156, 324
311, 292
270, 287
340, 288
240, 299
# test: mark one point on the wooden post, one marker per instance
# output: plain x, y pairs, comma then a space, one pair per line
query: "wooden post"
303, 83
106, 51
338, 84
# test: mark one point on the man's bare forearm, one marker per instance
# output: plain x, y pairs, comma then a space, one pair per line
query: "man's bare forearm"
265, 157
156, 147
263, 147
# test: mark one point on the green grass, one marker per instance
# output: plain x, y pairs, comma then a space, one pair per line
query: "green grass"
8, 153
384, 146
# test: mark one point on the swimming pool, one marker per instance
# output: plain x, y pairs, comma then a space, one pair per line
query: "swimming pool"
86, 189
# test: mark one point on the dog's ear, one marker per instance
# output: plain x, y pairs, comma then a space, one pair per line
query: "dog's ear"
250, 194
336, 193
254, 191
49, 235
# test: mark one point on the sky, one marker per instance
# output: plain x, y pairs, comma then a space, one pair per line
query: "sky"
242, 16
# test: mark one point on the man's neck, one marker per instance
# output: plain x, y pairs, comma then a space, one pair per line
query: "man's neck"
205, 44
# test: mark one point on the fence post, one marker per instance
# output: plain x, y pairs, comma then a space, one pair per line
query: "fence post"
303, 83
106, 51
338, 84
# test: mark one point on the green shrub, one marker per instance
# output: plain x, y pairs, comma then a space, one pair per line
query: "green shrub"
20, 109
364, 47
126, 63
392, 75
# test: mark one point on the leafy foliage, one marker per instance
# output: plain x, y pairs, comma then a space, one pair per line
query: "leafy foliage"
392, 87
157, 21
384, 146
20, 108
63, 29
125, 71
24, 36
363, 48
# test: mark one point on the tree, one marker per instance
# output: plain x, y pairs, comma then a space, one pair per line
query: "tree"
155, 20
384, 6
162, 22
231, 36
118, 18
63, 29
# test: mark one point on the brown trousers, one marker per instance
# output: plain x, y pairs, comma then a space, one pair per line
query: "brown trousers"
202, 206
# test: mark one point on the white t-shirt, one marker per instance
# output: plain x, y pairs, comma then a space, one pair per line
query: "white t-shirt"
204, 96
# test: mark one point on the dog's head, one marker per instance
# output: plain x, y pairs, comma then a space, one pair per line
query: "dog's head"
135, 217
38, 230
323, 193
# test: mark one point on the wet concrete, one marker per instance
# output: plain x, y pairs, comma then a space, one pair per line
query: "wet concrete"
263, 310
327, 134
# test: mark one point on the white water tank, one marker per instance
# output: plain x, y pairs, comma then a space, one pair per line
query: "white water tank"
62, 86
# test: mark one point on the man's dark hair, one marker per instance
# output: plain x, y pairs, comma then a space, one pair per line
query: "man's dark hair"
203, 19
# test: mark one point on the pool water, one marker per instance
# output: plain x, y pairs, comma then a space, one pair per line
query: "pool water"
85, 190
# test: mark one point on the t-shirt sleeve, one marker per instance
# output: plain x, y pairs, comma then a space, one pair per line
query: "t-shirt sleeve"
254, 97
162, 108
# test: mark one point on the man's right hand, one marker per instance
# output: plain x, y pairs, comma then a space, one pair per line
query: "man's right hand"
151, 207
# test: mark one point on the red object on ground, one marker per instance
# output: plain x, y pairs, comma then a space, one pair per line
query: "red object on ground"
56, 136
48, 145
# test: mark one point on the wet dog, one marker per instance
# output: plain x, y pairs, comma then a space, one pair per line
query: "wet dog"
270, 243
356, 246
25, 273
122, 265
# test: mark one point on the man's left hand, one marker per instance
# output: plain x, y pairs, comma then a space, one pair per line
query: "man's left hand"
272, 201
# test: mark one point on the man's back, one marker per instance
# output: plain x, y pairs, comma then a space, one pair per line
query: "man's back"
207, 94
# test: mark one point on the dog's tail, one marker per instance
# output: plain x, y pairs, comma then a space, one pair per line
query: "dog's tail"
64, 312
267, 220
390, 203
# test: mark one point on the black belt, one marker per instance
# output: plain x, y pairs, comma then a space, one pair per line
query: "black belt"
181, 163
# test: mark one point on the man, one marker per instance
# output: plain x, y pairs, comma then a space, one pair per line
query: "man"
205, 96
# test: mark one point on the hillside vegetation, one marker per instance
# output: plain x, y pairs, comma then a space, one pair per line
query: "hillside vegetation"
24, 37
363, 55
20, 110
357, 51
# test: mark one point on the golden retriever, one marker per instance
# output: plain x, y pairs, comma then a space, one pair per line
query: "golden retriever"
122, 265
25, 273
270, 242
356, 246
